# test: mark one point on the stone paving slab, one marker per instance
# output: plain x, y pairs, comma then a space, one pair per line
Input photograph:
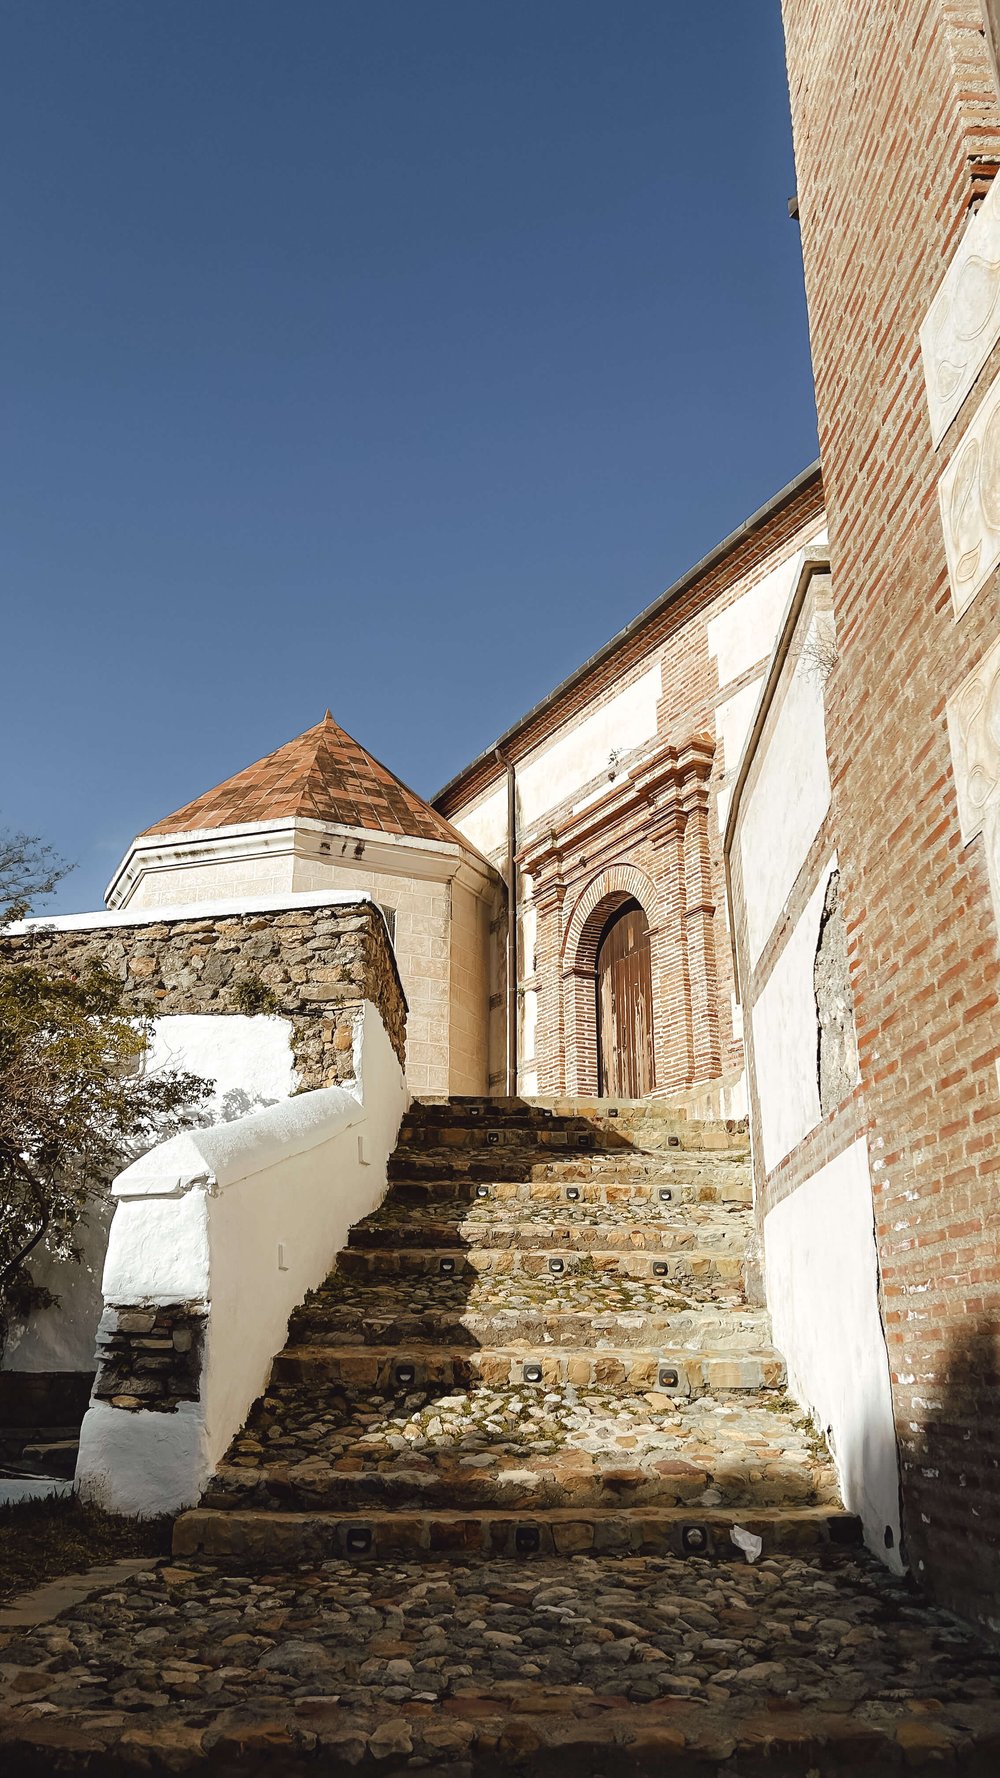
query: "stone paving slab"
787, 1668
46, 1602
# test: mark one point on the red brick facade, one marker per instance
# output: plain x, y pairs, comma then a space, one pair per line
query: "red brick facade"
897, 129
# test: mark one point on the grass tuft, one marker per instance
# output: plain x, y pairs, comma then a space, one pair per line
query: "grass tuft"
43, 1539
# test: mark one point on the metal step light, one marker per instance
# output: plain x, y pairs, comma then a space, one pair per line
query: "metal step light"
532, 1372
666, 1377
446, 1267
404, 1375
573, 1193
492, 1138
585, 1140
666, 1195
482, 1191
660, 1269
527, 1540
557, 1266
359, 1540
694, 1540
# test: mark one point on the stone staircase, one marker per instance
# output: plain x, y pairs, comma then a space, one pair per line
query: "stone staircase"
540, 1344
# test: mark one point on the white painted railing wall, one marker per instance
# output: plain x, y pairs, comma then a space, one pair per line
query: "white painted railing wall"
239, 1220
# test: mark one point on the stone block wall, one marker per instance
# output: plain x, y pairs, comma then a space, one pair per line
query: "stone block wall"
150, 1358
311, 965
896, 125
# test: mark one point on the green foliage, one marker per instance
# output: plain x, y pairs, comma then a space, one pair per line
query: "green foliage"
251, 995
75, 1101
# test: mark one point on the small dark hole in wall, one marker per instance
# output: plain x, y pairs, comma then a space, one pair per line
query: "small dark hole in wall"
889, 1538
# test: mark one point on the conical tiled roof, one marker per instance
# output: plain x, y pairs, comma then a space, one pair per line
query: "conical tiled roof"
323, 775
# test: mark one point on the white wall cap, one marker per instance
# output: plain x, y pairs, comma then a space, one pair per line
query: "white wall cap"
195, 910
227, 1153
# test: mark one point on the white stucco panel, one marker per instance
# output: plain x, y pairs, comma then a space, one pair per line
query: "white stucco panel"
821, 1272
565, 765
784, 810
732, 722
744, 633
248, 1058
158, 1250
485, 825
785, 1038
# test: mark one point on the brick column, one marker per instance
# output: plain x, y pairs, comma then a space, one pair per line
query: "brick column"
699, 933
672, 1035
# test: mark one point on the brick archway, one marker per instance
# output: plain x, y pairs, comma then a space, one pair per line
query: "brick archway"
604, 894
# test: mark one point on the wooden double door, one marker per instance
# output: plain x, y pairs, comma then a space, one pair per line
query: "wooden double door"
625, 1006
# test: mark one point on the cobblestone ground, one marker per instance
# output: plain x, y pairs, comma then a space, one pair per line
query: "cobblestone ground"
635, 1664
465, 1528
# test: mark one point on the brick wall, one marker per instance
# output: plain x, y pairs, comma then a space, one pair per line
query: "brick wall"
317, 963
895, 120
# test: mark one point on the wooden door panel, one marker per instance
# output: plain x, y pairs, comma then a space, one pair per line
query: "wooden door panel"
625, 1006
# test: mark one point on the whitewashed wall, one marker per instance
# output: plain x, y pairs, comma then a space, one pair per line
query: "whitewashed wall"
240, 1220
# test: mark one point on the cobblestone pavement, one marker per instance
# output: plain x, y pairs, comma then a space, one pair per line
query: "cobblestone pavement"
465, 1528
642, 1664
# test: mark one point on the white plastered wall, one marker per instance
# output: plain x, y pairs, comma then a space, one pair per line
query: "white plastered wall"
821, 1275
240, 1220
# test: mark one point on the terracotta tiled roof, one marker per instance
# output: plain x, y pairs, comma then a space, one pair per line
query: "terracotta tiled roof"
323, 775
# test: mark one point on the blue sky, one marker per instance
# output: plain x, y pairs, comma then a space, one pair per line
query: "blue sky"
385, 354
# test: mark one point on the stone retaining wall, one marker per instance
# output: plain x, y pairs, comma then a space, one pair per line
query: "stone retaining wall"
150, 1358
312, 965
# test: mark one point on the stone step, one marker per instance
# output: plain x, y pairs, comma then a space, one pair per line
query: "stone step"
276, 1539
311, 1443
662, 1190
561, 1233
627, 1123
313, 1486
396, 1370
492, 1167
692, 1263
698, 1311
328, 1321
50, 1457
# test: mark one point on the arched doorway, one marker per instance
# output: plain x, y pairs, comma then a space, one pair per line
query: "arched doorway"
625, 1006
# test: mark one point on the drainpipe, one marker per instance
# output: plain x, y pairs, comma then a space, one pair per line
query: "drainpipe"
511, 926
